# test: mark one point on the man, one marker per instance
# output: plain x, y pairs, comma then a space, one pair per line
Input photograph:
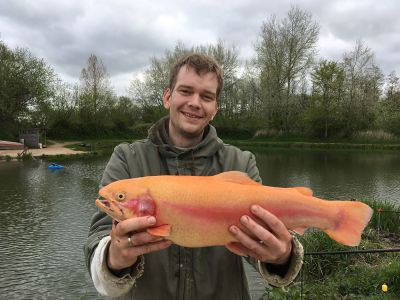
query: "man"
129, 263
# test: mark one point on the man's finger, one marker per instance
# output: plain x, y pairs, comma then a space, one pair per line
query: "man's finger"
246, 241
260, 233
274, 224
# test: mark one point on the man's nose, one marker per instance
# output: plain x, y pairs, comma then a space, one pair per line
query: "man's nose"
194, 101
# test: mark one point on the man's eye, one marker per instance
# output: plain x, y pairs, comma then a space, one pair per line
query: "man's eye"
208, 98
185, 92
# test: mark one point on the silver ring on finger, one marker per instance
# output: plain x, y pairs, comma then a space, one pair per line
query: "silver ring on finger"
130, 244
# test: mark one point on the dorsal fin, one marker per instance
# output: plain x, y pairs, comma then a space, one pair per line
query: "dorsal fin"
236, 177
304, 190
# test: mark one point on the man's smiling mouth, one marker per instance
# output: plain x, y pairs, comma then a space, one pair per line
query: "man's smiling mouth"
191, 115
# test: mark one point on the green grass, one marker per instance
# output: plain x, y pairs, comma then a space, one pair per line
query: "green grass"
66, 157
106, 146
362, 140
263, 143
26, 156
355, 276
98, 144
386, 216
360, 137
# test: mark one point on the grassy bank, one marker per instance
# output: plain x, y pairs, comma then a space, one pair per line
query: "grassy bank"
355, 275
104, 147
99, 146
259, 144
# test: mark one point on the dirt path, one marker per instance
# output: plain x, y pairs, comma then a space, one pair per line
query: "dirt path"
54, 149
61, 144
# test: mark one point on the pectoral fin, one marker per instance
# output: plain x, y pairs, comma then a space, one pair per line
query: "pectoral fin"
162, 230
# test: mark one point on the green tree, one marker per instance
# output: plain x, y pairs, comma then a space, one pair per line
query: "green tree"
363, 88
26, 83
63, 110
65, 101
285, 53
389, 116
393, 89
125, 114
327, 92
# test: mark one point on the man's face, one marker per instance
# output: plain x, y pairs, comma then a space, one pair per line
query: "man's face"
192, 104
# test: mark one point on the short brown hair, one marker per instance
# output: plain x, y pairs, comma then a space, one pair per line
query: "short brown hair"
201, 63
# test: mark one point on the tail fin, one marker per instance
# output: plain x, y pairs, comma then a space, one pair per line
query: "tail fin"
353, 217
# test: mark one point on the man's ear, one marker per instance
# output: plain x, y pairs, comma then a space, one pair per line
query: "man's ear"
166, 98
213, 116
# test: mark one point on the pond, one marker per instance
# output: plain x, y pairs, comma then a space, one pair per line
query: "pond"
335, 174
45, 213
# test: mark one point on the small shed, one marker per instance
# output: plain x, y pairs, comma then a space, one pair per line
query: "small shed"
33, 138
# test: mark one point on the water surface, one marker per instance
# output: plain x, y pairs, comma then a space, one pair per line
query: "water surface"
45, 215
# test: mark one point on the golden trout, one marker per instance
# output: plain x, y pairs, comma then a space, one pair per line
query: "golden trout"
196, 211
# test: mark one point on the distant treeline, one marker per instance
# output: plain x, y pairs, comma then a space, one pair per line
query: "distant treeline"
284, 89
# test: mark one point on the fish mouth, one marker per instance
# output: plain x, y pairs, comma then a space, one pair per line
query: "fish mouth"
110, 207
141, 205
103, 202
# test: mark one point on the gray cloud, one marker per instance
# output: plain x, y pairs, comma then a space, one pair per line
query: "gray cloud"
126, 34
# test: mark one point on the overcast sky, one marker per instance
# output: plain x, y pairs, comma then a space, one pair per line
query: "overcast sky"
125, 34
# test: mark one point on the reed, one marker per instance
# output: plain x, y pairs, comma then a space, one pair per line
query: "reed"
386, 216
374, 135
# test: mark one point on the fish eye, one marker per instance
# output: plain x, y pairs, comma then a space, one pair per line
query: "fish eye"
120, 196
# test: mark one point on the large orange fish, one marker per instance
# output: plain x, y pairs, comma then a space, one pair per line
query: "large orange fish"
196, 211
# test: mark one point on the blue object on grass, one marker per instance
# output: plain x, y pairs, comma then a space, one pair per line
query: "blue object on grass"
55, 166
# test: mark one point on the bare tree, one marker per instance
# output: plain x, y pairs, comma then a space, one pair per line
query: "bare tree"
363, 85
389, 108
147, 92
227, 58
284, 54
393, 88
96, 92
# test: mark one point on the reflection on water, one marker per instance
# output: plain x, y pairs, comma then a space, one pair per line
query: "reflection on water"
44, 221
45, 214
334, 174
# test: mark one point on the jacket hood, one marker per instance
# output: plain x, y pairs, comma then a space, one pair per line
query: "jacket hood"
158, 135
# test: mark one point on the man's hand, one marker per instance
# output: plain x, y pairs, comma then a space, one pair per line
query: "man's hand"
267, 239
129, 239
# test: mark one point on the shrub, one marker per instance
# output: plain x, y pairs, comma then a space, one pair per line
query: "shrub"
268, 132
140, 131
235, 132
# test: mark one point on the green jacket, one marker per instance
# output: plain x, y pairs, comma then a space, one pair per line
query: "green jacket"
178, 272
